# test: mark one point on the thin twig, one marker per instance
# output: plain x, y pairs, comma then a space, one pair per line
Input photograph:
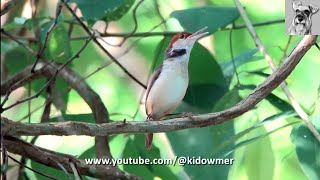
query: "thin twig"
151, 34
65, 91
133, 44
303, 115
285, 49
48, 82
17, 41
102, 48
232, 57
135, 21
25, 78
53, 25
7, 5
157, 6
35, 171
171, 33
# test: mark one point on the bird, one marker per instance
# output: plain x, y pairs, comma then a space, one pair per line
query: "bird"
170, 80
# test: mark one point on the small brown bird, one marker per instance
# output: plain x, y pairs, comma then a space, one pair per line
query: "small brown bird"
170, 81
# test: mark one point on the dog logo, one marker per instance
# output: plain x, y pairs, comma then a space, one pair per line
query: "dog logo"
301, 23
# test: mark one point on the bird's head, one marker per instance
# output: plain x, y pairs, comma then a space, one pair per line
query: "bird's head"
183, 42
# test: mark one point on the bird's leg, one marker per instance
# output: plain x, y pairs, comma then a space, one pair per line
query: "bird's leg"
149, 118
167, 116
188, 114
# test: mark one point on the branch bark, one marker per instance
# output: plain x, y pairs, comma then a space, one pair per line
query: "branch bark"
53, 159
78, 128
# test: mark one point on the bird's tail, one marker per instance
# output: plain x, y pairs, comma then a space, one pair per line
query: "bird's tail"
148, 141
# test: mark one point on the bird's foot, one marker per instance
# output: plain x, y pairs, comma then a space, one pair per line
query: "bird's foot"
188, 114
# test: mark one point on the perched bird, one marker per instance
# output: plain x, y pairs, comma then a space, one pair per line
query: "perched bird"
170, 81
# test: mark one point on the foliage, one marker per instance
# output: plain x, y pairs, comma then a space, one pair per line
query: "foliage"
258, 141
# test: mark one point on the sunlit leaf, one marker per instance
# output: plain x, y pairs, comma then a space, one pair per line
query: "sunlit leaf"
243, 57
214, 18
15, 23
95, 10
228, 144
19, 22
248, 141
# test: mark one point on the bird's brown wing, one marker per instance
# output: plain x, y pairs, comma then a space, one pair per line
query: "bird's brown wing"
153, 80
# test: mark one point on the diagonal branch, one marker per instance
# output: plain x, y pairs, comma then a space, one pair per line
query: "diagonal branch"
27, 76
303, 115
53, 25
54, 159
77, 128
101, 46
7, 5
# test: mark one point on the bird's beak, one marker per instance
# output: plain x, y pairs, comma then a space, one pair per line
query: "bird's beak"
197, 35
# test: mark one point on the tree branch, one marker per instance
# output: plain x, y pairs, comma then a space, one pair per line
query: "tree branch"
303, 115
53, 159
78, 128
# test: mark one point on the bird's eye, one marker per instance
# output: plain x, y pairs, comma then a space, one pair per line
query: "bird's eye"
182, 36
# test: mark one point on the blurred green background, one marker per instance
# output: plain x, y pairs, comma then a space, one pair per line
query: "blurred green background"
268, 142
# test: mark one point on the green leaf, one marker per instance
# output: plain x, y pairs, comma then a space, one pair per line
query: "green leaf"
16, 59
52, 172
227, 146
136, 149
278, 102
307, 148
275, 100
7, 46
89, 153
19, 22
57, 44
95, 10
243, 57
228, 100
259, 73
200, 142
213, 17
205, 77
264, 168
58, 41
251, 140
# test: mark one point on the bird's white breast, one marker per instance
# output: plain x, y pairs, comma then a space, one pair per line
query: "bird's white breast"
169, 89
